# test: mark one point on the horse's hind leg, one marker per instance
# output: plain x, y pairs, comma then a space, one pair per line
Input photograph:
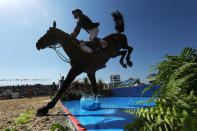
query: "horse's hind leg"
130, 49
92, 79
70, 77
122, 53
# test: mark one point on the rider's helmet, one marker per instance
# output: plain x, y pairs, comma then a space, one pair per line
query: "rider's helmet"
77, 11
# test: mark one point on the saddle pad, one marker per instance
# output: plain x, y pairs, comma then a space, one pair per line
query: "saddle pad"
103, 43
85, 48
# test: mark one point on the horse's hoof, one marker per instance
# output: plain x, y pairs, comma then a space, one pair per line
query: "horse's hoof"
42, 111
130, 64
124, 65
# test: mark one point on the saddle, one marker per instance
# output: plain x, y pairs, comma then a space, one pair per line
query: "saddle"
90, 47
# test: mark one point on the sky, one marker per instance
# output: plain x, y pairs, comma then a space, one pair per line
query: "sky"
154, 28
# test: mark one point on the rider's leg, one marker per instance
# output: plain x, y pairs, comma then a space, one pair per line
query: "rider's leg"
93, 33
93, 38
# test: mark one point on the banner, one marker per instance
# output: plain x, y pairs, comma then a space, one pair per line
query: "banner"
24, 79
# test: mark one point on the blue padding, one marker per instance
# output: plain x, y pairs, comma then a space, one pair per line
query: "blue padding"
89, 103
135, 91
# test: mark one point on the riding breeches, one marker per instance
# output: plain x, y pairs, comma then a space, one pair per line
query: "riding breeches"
93, 33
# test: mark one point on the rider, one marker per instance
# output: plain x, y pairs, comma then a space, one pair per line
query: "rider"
90, 27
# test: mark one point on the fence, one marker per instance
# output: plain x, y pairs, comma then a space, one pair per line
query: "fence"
135, 91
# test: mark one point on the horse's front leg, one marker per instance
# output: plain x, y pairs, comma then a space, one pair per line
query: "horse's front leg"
70, 77
92, 79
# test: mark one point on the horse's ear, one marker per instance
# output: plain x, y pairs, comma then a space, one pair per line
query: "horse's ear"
54, 24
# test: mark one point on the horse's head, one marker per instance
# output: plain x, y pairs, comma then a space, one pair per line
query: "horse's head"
48, 39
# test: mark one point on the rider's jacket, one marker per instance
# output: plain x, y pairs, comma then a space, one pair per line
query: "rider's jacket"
85, 23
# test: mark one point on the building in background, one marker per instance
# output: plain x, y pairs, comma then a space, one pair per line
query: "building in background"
151, 77
115, 80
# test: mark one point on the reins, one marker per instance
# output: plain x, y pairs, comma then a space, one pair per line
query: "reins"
58, 53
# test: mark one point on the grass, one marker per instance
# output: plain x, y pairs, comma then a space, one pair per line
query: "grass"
26, 117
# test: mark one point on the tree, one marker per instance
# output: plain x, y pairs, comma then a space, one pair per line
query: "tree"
100, 83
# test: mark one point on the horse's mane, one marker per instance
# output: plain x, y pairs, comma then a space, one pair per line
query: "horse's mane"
66, 34
75, 40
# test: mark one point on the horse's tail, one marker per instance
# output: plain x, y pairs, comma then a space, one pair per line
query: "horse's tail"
119, 21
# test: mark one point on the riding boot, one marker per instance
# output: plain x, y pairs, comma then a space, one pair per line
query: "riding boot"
99, 48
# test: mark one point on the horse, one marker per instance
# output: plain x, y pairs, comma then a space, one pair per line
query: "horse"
84, 61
